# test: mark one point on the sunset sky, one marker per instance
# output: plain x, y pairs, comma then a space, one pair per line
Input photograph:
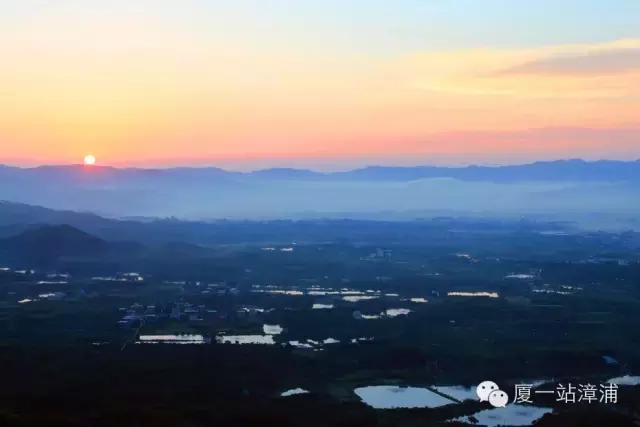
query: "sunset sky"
327, 84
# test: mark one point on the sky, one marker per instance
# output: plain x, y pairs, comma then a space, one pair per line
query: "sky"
329, 84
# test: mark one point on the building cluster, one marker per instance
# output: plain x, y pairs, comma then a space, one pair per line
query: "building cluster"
124, 277
138, 314
379, 254
219, 289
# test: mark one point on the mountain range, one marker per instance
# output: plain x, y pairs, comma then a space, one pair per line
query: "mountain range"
564, 186
559, 170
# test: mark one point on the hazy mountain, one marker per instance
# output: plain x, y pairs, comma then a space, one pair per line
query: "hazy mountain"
570, 187
288, 174
19, 213
561, 170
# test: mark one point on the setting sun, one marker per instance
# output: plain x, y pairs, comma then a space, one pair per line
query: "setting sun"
89, 160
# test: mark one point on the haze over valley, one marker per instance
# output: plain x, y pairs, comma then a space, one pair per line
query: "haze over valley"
562, 188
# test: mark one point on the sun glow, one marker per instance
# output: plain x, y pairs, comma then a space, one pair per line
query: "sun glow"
89, 160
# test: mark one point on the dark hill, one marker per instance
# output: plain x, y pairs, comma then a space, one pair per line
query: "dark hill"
58, 240
47, 244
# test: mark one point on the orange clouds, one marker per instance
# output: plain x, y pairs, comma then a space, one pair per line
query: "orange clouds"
608, 62
608, 70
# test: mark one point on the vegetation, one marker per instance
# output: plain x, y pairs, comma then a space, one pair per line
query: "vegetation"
66, 361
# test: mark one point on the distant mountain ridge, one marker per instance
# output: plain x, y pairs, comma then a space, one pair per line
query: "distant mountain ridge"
20, 213
564, 186
558, 170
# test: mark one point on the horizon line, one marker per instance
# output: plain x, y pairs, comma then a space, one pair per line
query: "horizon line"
169, 168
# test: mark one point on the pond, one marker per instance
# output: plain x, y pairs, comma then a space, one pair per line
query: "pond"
300, 344
388, 397
358, 315
520, 276
312, 344
511, 415
356, 298
357, 340
625, 380
172, 339
458, 392
293, 392
284, 292
474, 294
317, 292
393, 312
272, 329
463, 393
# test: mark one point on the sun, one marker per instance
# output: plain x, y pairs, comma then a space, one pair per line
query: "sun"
89, 160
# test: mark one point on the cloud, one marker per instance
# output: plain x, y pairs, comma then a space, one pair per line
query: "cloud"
589, 63
603, 71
